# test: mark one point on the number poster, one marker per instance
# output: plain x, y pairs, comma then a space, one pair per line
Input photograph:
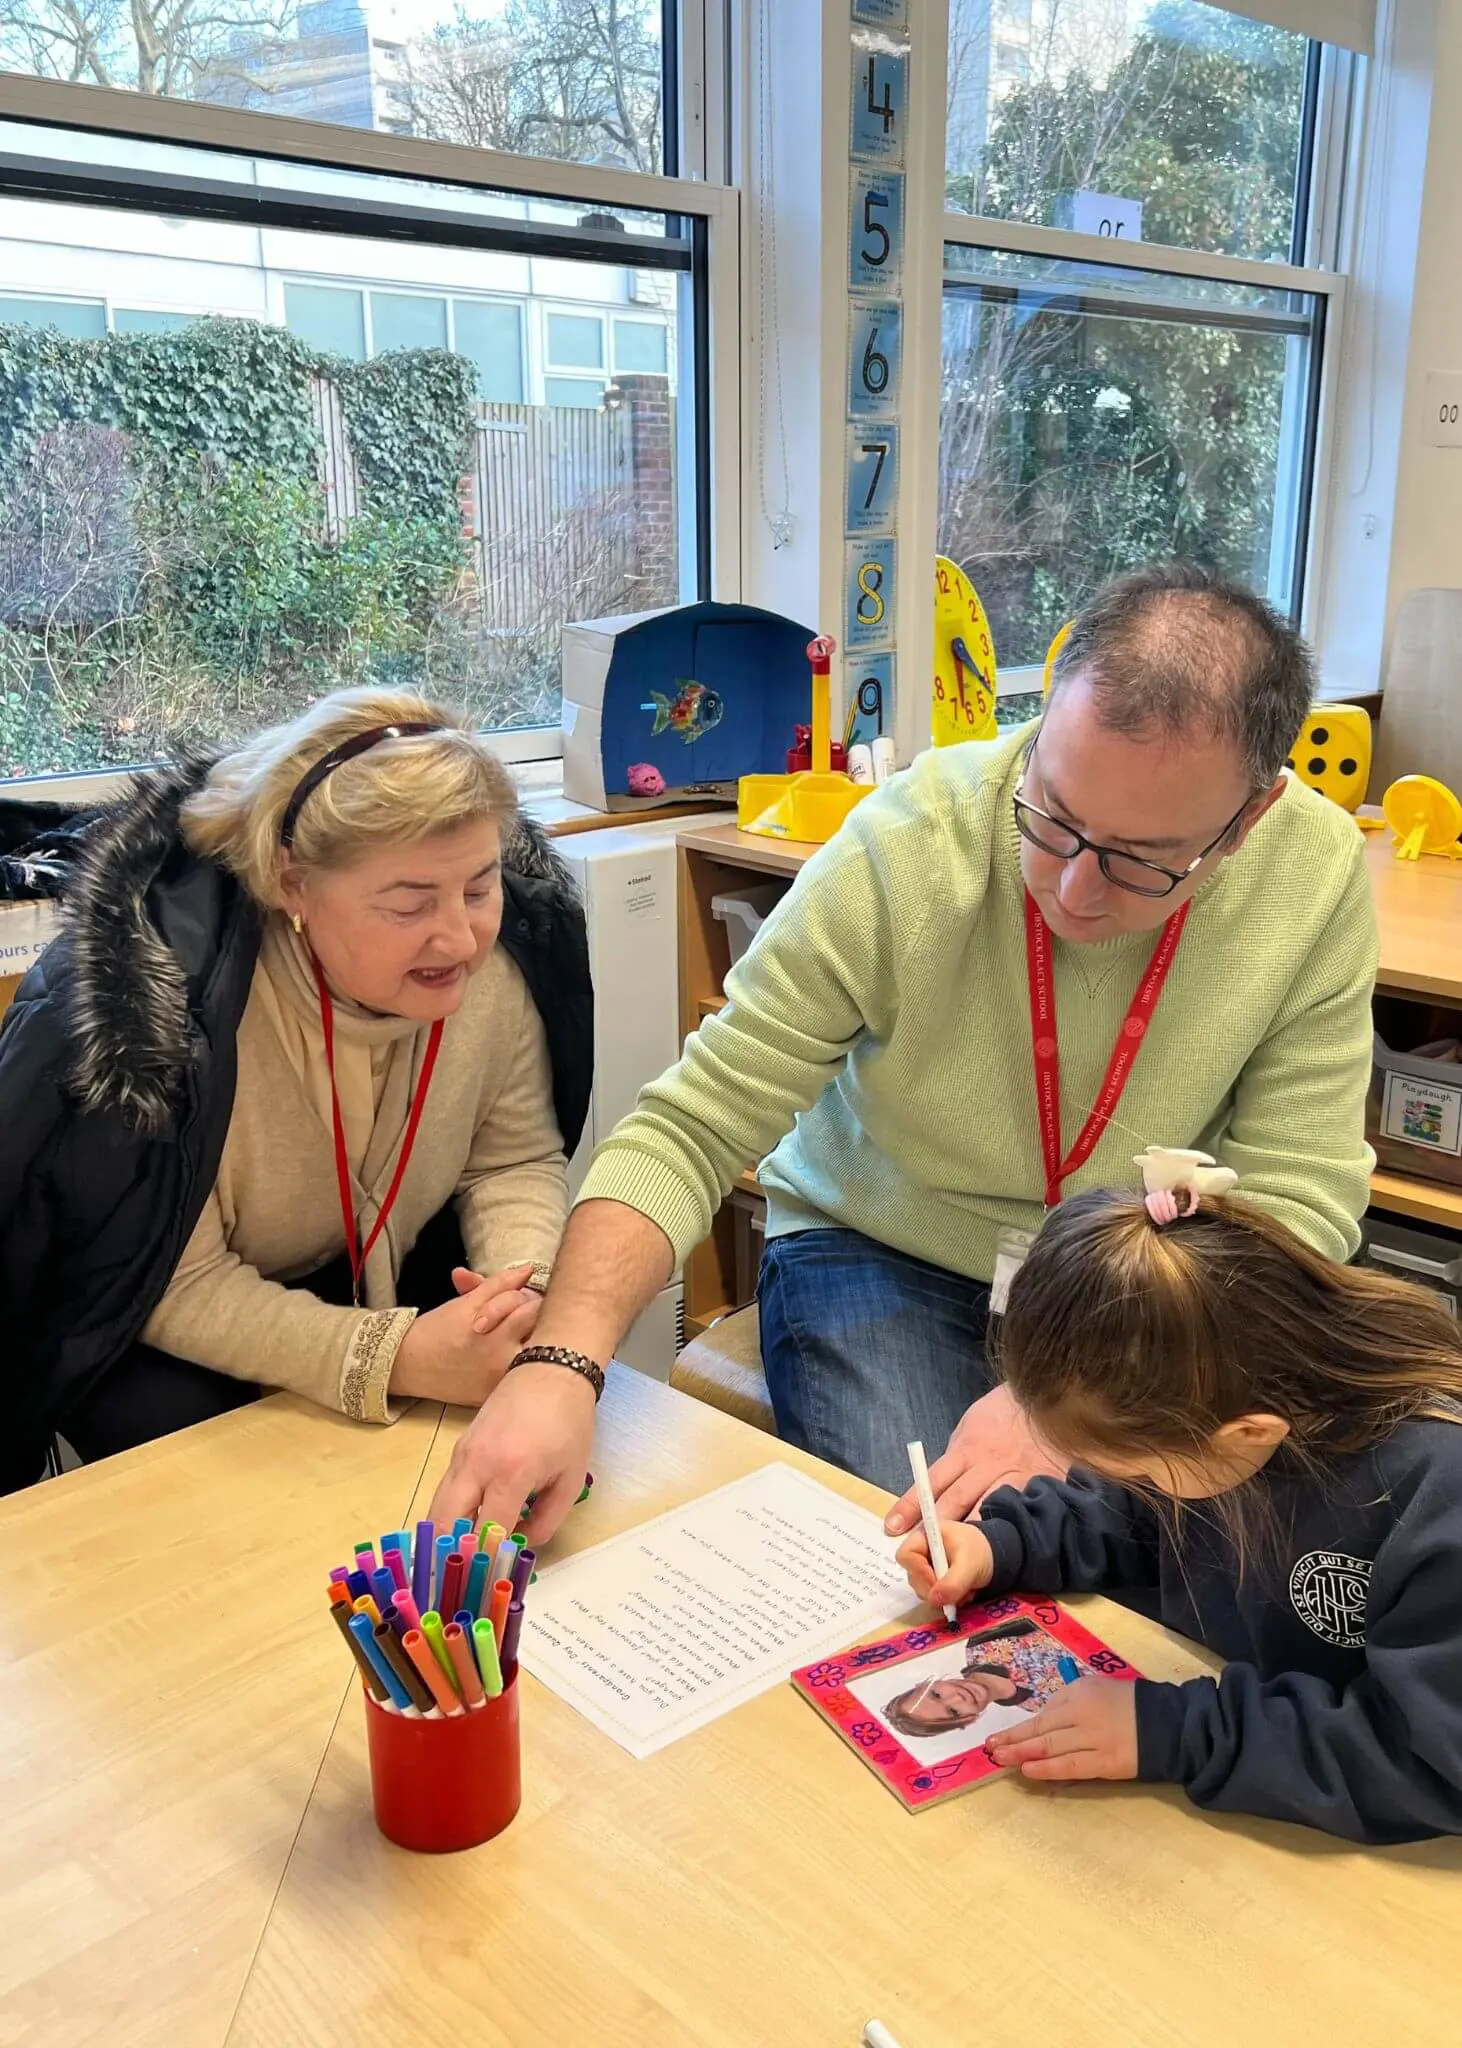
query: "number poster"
878, 117
920, 1706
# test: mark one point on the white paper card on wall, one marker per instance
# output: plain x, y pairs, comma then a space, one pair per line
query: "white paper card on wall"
873, 476
876, 241
880, 104
1444, 409
1106, 214
875, 358
871, 601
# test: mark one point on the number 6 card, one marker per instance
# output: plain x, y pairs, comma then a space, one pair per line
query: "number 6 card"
875, 358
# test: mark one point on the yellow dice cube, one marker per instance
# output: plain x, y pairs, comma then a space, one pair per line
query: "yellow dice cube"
1333, 753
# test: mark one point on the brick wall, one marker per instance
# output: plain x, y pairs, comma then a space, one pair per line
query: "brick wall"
652, 453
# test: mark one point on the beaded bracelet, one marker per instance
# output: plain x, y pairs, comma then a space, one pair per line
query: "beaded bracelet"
555, 1354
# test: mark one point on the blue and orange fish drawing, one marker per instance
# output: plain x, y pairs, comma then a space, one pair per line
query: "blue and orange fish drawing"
695, 711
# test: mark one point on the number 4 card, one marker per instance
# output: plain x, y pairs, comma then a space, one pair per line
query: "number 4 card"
880, 102
873, 476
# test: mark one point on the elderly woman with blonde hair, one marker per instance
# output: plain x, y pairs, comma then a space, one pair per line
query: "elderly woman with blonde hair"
287, 1104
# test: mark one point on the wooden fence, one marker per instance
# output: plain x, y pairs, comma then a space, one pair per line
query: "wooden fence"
547, 503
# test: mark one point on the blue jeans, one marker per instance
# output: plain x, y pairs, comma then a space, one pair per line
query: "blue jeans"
866, 1348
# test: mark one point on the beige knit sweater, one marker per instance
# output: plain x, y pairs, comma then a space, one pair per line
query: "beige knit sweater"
488, 1142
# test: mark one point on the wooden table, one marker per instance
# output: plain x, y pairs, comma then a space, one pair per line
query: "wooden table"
190, 1858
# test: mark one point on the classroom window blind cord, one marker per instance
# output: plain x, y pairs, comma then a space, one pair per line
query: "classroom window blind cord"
771, 414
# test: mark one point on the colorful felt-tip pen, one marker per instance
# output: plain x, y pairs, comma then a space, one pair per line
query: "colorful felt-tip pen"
383, 1587
489, 1536
512, 1629
469, 1684
422, 1655
442, 1551
523, 1571
476, 1582
364, 1632
489, 1664
406, 1611
502, 1594
367, 1668
507, 1557
421, 1563
449, 1598
432, 1629
366, 1605
396, 1566
359, 1585
461, 1527
365, 1558
389, 1645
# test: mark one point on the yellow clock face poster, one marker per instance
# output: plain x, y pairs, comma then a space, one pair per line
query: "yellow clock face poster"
964, 660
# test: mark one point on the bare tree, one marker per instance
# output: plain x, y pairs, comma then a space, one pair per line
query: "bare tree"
463, 83
163, 47
574, 79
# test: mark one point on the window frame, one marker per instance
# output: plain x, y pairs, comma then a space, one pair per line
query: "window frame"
1334, 82
707, 215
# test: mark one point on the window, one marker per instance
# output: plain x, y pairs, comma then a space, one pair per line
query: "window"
575, 342
489, 332
82, 319
328, 317
399, 320
1101, 412
529, 75
144, 320
1095, 419
335, 509
640, 345
1192, 114
581, 391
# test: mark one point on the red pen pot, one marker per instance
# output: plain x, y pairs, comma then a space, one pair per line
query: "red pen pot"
445, 1784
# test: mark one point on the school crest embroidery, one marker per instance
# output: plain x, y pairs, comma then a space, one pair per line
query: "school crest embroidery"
1328, 1592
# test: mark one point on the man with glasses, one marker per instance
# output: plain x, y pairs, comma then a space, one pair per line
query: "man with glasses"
1016, 966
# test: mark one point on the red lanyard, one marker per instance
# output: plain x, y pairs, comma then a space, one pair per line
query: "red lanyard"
357, 1253
1047, 1052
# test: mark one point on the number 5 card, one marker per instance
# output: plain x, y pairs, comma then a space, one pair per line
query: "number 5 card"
876, 243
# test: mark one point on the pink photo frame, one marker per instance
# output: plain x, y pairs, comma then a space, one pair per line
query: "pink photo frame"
1035, 1642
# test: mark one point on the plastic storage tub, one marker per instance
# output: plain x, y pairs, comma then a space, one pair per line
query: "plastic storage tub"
744, 912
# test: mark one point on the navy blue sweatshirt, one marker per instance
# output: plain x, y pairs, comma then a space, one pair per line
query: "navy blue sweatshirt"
1341, 1703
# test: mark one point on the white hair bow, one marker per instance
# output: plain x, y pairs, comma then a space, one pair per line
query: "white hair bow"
1168, 1172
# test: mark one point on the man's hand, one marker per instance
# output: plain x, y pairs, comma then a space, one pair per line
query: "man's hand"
971, 1564
1088, 1731
532, 1435
993, 1445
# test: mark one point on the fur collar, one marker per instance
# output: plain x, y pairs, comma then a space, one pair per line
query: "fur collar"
129, 1017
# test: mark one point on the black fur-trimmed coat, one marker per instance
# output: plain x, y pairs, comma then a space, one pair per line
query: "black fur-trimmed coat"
117, 1075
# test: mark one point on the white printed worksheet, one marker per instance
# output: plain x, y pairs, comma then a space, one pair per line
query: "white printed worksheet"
657, 1631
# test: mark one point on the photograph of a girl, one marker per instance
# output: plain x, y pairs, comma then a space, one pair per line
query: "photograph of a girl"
955, 1697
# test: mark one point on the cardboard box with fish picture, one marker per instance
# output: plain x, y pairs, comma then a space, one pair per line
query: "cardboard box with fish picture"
662, 706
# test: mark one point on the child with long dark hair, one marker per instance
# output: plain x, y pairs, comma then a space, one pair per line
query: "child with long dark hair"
1271, 1440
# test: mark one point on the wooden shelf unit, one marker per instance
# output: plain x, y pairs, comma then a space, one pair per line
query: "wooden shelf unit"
1418, 910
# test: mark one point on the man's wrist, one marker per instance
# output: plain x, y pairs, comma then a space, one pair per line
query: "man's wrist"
561, 1358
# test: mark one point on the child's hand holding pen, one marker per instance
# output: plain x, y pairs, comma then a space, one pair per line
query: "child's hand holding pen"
971, 1564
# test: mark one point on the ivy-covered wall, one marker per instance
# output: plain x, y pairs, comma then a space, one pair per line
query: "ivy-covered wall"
165, 568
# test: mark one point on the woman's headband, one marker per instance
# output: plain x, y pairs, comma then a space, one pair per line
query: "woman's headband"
328, 763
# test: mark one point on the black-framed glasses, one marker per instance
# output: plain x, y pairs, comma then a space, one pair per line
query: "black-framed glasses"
1122, 870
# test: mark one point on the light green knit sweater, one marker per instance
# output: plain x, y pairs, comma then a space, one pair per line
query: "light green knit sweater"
884, 1008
